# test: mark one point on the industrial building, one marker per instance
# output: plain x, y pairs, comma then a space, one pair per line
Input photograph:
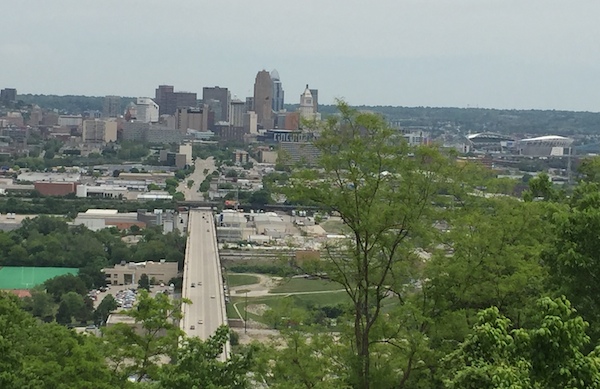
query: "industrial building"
130, 273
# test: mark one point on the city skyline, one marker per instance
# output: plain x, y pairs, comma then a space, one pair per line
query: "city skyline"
465, 53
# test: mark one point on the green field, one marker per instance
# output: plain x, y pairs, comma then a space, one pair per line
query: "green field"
305, 285
29, 277
241, 279
300, 300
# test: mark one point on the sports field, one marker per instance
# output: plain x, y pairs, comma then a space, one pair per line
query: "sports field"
12, 277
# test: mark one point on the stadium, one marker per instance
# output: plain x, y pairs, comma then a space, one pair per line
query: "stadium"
490, 142
545, 146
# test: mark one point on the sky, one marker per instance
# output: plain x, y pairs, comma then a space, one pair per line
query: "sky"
509, 54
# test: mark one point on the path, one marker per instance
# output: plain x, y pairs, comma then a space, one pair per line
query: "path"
198, 176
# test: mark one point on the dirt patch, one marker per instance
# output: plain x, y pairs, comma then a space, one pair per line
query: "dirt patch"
257, 309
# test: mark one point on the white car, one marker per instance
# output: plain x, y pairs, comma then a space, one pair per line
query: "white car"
200, 321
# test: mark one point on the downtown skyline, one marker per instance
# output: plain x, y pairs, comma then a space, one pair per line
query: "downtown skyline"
501, 54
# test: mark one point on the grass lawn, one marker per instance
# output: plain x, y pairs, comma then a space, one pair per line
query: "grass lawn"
241, 279
304, 285
231, 313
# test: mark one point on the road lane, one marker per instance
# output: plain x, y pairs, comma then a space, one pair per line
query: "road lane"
202, 279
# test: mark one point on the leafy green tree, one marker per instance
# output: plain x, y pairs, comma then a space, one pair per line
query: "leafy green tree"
548, 355
573, 258
60, 285
144, 282
383, 189
106, 306
198, 366
137, 350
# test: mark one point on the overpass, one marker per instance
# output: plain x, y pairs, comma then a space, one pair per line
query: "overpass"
202, 279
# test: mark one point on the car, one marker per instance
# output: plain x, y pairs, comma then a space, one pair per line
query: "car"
207, 230
199, 283
193, 285
200, 321
212, 297
192, 327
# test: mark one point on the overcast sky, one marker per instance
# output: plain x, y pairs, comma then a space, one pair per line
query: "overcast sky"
462, 53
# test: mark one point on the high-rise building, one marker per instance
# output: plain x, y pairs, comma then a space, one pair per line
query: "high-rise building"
192, 118
315, 95
99, 131
220, 95
250, 122
236, 113
8, 94
249, 104
263, 96
168, 100
277, 104
147, 110
111, 106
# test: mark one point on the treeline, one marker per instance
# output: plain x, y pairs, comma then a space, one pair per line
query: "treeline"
51, 242
70, 205
49, 356
473, 120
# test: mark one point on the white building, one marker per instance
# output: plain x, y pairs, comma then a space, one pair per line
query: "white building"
545, 146
146, 110
70, 120
307, 106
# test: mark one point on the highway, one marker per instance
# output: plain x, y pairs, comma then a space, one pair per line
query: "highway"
202, 279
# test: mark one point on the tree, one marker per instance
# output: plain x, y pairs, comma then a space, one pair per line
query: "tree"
137, 352
106, 306
382, 189
548, 355
60, 285
573, 257
198, 366
144, 282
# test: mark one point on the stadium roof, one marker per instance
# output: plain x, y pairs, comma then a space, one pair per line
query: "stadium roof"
546, 138
488, 136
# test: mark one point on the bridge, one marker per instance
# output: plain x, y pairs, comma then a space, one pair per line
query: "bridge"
202, 279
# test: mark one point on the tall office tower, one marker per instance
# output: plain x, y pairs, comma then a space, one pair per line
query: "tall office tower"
236, 113
162, 95
277, 104
250, 123
8, 94
168, 100
221, 95
315, 96
192, 118
263, 97
249, 104
307, 107
111, 106
147, 111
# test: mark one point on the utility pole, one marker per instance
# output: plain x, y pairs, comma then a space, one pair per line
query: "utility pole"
246, 314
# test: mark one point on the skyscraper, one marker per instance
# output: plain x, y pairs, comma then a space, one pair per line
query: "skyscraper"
263, 97
277, 104
236, 113
111, 107
307, 108
315, 96
221, 95
168, 100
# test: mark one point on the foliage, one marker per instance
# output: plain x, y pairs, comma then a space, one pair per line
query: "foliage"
382, 189
198, 366
137, 350
548, 355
